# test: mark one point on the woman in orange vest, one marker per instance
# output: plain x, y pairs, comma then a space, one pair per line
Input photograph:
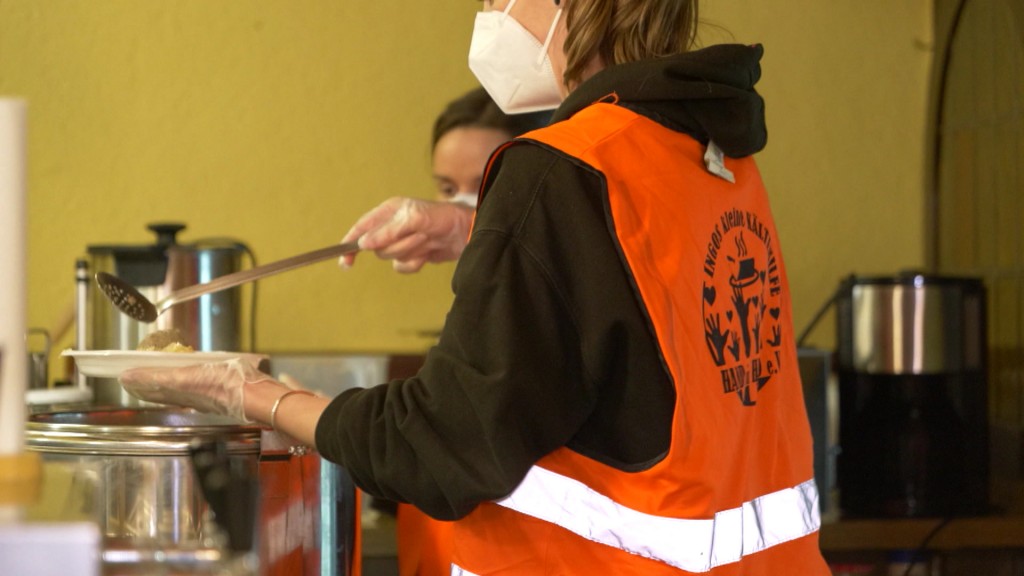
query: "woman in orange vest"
615, 390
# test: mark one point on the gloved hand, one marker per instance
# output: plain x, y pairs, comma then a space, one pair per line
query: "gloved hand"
217, 387
412, 232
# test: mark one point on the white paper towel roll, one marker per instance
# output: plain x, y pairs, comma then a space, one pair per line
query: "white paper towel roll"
13, 269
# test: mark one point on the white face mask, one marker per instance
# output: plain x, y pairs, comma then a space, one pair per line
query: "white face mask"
511, 64
465, 198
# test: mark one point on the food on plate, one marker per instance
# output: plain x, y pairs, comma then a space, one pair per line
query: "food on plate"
170, 340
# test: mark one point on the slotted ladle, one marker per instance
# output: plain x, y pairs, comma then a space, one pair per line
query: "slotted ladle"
127, 299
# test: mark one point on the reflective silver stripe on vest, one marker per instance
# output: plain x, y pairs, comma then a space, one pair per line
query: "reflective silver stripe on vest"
691, 545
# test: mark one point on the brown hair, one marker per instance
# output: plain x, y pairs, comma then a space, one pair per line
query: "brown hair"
476, 109
619, 31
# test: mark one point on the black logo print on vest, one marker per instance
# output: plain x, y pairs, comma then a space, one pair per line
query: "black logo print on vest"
742, 298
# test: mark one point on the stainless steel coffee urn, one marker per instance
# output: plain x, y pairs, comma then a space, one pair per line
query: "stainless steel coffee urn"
212, 322
913, 413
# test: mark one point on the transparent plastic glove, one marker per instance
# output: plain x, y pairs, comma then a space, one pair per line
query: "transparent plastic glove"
412, 232
217, 388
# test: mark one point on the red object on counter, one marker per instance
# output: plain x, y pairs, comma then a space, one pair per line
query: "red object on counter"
290, 515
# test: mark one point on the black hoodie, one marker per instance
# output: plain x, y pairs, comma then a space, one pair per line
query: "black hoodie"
706, 93
546, 345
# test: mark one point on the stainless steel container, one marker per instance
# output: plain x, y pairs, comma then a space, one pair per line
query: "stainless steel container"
138, 465
911, 324
38, 359
212, 322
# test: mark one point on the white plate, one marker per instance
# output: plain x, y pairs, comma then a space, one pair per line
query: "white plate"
110, 363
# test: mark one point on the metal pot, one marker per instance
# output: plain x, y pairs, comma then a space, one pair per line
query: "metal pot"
137, 470
212, 322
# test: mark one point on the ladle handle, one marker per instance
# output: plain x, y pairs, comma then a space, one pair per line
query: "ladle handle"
255, 273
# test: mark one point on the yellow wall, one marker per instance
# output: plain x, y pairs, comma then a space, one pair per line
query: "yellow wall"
278, 123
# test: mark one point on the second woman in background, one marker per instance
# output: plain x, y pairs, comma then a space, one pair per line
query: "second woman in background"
464, 135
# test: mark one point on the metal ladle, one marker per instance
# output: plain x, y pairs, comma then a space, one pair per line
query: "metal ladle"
127, 299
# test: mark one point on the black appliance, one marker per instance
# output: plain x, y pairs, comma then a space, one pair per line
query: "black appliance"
913, 411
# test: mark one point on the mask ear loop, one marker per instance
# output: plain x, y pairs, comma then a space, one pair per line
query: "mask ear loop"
504, 13
547, 41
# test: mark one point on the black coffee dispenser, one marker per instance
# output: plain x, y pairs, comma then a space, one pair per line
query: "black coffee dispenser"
913, 411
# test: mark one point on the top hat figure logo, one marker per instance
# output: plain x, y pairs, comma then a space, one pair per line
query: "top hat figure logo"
742, 304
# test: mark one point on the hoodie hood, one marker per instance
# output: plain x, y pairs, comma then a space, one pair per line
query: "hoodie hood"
708, 94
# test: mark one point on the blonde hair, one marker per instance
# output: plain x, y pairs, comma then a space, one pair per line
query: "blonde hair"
619, 31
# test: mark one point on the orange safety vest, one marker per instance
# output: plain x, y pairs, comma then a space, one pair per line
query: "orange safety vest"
735, 495
424, 544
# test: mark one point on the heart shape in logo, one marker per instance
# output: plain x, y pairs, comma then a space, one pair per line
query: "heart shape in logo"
709, 294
